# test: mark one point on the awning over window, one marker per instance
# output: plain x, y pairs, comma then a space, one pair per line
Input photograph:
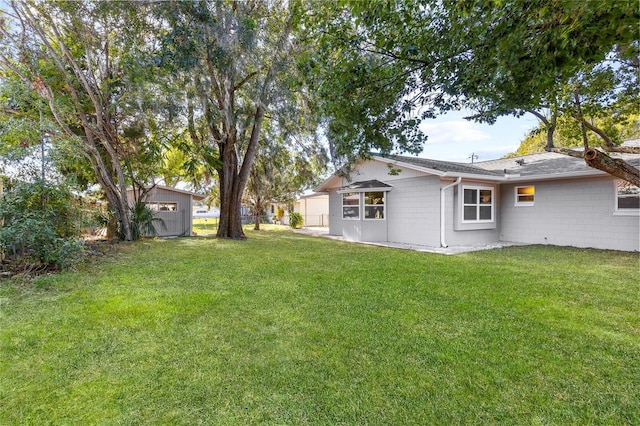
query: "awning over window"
366, 186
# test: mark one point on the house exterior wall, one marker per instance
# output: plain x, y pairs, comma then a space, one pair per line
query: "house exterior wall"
414, 211
458, 234
401, 222
574, 212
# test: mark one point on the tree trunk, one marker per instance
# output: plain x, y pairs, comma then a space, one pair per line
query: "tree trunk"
614, 166
257, 209
230, 225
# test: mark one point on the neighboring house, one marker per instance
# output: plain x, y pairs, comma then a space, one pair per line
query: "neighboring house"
205, 212
173, 206
314, 209
272, 210
543, 198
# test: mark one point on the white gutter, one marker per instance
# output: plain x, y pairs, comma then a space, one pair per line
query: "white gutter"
442, 243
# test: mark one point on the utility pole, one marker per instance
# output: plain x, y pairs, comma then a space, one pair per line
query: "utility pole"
473, 156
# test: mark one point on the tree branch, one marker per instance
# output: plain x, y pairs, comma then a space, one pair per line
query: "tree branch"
607, 140
566, 151
613, 166
244, 80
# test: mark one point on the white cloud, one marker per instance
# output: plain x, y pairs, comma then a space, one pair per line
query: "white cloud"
453, 131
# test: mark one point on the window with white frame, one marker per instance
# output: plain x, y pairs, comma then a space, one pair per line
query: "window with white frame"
374, 205
477, 204
351, 205
525, 195
627, 197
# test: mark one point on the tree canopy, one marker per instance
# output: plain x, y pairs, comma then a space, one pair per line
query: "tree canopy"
142, 90
79, 59
398, 59
237, 60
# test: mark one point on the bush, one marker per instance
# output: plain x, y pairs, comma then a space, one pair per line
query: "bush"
295, 220
41, 225
143, 221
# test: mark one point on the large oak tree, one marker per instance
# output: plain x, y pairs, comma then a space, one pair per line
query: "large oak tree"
237, 58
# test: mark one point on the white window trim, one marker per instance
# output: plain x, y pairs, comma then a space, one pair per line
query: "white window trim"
524, 203
342, 205
616, 210
493, 204
384, 206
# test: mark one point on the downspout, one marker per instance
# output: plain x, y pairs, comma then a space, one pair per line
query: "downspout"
442, 243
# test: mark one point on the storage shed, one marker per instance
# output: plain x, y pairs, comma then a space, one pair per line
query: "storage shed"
173, 206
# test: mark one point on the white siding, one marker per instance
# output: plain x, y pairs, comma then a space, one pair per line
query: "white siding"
469, 234
570, 213
413, 208
335, 212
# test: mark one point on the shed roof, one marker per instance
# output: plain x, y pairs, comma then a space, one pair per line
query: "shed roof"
196, 196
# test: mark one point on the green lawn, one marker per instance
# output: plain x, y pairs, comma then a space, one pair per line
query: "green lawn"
205, 225
289, 329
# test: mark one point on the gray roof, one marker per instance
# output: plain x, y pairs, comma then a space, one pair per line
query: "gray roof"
368, 184
546, 163
442, 166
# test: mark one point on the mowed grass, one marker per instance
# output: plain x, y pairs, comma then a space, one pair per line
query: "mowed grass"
289, 329
205, 225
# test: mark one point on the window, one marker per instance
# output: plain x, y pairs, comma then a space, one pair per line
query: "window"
477, 204
374, 205
525, 195
351, 205
163, 207
627, 197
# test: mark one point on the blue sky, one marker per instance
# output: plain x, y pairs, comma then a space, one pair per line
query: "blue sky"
452, 138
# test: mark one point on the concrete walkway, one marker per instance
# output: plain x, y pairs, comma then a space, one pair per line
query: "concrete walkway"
324, 233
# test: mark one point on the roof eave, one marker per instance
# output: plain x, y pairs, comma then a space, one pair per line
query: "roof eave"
381, 189
491, 178
555, 176
410, 166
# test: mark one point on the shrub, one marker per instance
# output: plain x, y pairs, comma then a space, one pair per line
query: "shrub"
295, 220
41, 224
143, 221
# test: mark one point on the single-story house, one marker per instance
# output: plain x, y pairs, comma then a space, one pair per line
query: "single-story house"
173, 206
314, 209
544, 198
